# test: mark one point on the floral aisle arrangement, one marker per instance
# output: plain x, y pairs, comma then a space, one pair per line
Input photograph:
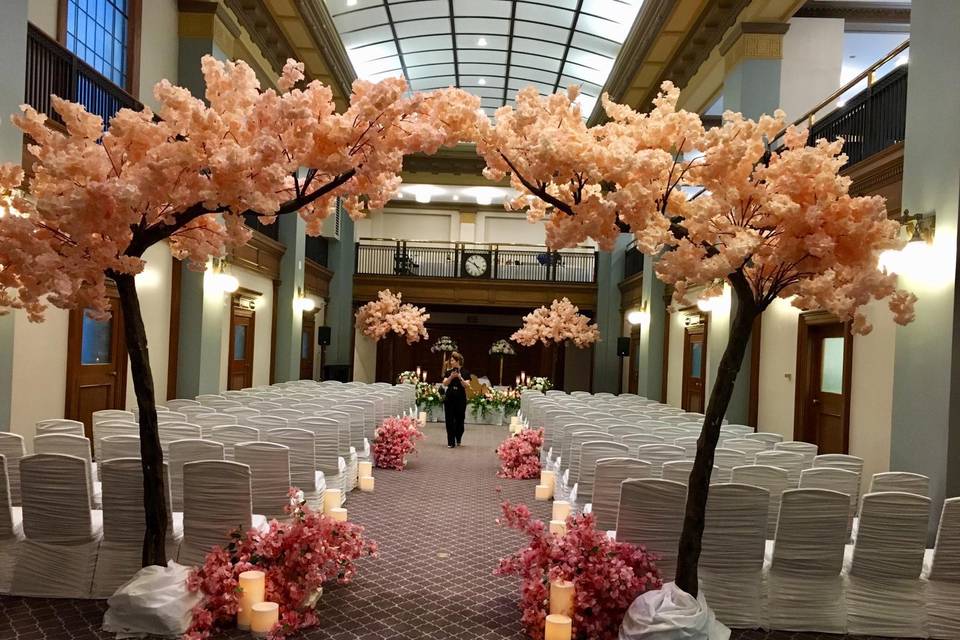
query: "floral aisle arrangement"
520, 455
393, 441
502, 348
561, 322
298, 557
408, 377
507, 399
607, 575
388, 313
430, 401
538, 383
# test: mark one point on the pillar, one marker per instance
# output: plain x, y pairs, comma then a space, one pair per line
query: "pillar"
925, 436
606, 364
650, 349
289, 316
202, 308
339, 313
13, 60
751, 57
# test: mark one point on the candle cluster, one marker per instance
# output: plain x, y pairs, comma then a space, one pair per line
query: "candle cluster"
365, 472
256, 615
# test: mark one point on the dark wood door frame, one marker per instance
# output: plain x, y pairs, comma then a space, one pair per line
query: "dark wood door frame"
804, 374
250, 343
704, 328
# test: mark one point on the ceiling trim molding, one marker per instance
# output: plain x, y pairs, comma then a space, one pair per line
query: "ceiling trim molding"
859, 12
320, 24
647, 26
263, 31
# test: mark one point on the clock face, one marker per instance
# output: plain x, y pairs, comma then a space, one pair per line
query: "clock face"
475, 265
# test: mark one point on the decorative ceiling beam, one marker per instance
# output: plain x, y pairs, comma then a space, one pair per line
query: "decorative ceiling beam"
320, 24
862, 13
263, 31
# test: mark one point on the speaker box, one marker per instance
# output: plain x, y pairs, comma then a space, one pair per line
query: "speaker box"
323, 336
623, 346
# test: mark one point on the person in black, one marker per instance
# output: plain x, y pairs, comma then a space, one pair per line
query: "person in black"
455, 399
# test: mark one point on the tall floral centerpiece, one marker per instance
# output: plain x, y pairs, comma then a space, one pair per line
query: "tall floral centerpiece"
389, 316
298, 556
716, 208
555, 326
607, 575
501, 348
443, 346
98, 197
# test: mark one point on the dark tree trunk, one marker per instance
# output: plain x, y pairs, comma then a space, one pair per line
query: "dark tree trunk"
154, 504
699, 484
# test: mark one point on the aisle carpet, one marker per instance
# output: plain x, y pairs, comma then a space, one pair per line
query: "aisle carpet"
434, 578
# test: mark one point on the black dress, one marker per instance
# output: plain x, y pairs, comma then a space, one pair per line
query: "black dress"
455, 407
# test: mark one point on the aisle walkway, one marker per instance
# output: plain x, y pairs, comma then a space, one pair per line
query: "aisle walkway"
433, 579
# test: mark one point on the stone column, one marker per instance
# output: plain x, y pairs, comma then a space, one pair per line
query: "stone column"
13, 60
925, 435
606, 364
289, 316
650, 349
339, 312
751, 57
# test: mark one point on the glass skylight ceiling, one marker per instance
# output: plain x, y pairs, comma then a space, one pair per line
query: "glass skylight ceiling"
491, 48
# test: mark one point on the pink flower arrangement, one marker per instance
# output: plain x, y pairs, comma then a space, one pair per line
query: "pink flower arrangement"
387, 314
520, 455
298, 556
394, 440
561, 322
607, 575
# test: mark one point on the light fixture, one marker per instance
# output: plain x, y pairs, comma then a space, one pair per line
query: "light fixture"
715, 303
639, 316
484, 200
913, 258
222, 280
456, 197
302, 302
482, 81
424, 193
351, 3
423, 198
481, 41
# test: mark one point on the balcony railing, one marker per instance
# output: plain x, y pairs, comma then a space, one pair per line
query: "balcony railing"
53, 70
527, 263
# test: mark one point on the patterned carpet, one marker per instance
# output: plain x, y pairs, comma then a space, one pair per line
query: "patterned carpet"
433, 579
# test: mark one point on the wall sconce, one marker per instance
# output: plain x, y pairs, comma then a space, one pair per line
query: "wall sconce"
302, 302
914, 258
639, 316
222, 280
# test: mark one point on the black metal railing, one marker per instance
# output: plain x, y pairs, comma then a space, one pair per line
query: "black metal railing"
53, 70
632, 260
453, 260
871, 121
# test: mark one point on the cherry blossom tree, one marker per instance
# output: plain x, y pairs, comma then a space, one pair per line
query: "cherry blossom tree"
389, 314
714, 207
560, 322
98, 198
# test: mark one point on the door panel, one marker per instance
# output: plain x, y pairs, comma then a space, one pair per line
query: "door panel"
96, 365
240, 365
823, 373
694, 368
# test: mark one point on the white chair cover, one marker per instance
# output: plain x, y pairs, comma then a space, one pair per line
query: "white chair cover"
900, 481
884, 591
806, 449
773, 479
590, 452
77, 446
670, 434
326, 433
731, 562
265, 406
112, 447
112, 414
266, 422
768, 439
59, 554
11, 530
657, 454
11, 447
724, 461
303, 465
845, 482
751, 447
178, 404
269, 464
59, 425
207, 421
217, 499
651, 514
577, 438
207, 398
610, 472
221, 405
804, 585
635, 440
191, 412
106, 428
942, 572
789, 461
841, 461
171, 416
121, 549
182, 452
245, 415
737, 429
231, 435
174, 431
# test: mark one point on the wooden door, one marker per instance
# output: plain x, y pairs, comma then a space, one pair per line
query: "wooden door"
823, 383
307, 347
633, 380
694, 368
96, 365
240, 366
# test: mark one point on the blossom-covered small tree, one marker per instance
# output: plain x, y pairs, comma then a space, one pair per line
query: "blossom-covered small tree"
98, 198
389, 314
555, 326
717, 207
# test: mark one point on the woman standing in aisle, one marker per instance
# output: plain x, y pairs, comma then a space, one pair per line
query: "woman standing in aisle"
454, 399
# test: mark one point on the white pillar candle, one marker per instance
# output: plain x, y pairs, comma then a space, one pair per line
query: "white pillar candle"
561, 509
339, 514
264, 618
558, 628
423, 417
558, 527
331, 500
514, 421
561, 598
365, 469
253, 585
543, 492
548, 478
366, 483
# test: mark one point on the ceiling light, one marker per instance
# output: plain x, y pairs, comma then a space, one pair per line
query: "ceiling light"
482, 81
351, 3
456, 198
484, 199
482, 42
423, 198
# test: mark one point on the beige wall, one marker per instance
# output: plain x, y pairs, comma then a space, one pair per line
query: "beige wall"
159, 47
263, 325
43, 14
675, 359
39, 371
153, 289
364, 358
447, 225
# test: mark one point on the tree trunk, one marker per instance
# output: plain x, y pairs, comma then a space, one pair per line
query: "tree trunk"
699, 484
151, 456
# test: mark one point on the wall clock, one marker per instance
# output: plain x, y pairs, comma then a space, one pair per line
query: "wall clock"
475, 265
